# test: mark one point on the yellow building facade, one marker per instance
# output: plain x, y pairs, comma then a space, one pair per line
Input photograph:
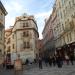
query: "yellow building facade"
65, 10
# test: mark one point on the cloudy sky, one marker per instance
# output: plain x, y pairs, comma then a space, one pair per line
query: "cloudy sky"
41, 9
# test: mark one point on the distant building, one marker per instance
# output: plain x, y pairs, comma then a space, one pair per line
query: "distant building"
40, 47
3, 13
48, 38
24, 37
8, 41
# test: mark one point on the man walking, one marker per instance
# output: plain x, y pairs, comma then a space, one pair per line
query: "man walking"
40, 63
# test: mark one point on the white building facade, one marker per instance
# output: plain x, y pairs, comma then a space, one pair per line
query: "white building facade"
3, 13
24, 37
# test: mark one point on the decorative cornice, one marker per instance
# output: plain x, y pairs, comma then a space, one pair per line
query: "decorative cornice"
2, 8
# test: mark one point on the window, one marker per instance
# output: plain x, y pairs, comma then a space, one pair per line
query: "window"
70, 4
63, 40
5, 46
70, 36
8, 49
25, 24
61, 15
1, 17
1, 13
13, 46
62, 26
8, 41
67, 38
59, 5
62, 2
0, 50
25, 34
26, 45
0, 35
13, 36
74, 34
64, 12
73, 1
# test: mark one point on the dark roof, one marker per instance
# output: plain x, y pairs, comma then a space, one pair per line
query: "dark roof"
2, 8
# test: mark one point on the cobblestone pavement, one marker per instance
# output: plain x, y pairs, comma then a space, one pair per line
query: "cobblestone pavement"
34, 70
65, 70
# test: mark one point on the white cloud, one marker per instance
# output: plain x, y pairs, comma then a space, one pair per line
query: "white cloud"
13, 8
16, 8
43, 14
9, 21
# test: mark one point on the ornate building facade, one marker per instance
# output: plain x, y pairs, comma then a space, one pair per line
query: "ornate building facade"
3, 13
65, 10
24, 37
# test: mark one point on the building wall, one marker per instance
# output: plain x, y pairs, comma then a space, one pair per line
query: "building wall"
48, 37
68, 13
3, 13
8, 41
65, 24
21, 38
40, 47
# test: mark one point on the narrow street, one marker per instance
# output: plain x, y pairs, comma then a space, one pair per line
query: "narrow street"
34, 70
37, 37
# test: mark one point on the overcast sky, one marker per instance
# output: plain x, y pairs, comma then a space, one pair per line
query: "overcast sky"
41, 9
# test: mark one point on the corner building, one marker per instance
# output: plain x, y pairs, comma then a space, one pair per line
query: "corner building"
25, 36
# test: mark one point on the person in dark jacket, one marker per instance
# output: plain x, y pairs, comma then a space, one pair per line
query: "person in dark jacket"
50, 61
59, 61
54, 60
40, 63
72, 58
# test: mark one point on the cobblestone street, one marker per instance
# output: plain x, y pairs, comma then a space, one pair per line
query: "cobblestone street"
34, 70
65, 70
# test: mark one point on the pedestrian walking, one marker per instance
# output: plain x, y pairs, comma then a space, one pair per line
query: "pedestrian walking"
46, 61
72, 59
59, 61
50, 61
27, 62
67, 59
40, 63
54, 60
